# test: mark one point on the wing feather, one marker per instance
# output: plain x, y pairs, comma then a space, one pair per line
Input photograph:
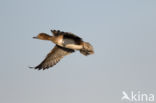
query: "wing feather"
54, 57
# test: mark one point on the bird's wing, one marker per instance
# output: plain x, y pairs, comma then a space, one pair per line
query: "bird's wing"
54, 57
66, 34
57, 32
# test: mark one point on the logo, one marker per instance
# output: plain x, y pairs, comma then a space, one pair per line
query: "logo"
137, 97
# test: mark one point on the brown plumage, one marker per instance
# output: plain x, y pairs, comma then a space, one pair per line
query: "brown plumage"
66, 43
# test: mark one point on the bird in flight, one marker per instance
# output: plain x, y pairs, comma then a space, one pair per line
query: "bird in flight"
66, 43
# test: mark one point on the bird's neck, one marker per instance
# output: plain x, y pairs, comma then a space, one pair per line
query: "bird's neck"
47, 37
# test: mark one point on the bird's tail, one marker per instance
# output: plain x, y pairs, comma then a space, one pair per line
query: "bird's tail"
87, 49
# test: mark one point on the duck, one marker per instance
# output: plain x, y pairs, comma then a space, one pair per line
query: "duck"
65, 43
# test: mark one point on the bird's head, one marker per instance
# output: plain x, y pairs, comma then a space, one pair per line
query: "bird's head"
42, 36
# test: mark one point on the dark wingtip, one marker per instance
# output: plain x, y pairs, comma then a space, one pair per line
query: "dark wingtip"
31, 67
53, 30
35, 68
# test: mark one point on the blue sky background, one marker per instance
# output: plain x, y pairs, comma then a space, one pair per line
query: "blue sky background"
123, 35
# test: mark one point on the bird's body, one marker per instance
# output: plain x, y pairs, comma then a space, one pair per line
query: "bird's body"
66, 43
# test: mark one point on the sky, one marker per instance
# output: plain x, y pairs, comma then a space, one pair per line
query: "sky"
122, 33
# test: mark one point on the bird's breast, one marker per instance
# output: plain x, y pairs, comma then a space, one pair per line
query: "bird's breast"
58, 40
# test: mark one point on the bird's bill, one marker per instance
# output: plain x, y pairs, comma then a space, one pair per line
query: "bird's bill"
35, 37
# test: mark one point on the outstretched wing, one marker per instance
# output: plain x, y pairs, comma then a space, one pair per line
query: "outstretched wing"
54, 57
